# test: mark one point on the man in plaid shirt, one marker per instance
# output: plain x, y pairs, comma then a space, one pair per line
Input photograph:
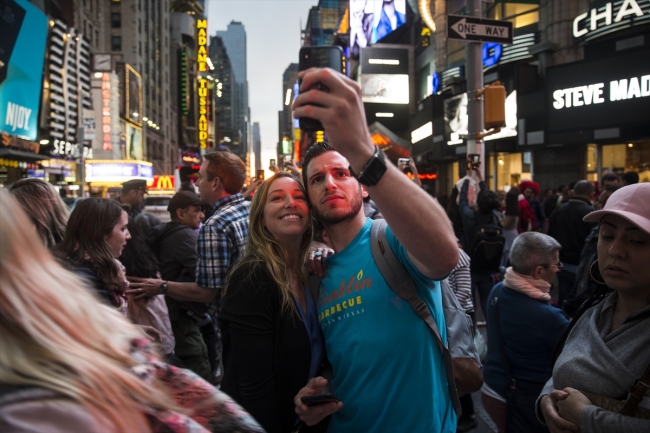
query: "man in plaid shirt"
221, 242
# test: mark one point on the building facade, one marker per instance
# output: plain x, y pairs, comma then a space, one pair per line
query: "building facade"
234, 40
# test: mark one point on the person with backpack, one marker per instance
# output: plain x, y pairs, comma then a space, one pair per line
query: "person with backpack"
523, 328
483, 239
174, 246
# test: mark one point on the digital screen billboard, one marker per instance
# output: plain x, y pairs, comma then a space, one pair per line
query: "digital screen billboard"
23, 33
372, 20
385, 88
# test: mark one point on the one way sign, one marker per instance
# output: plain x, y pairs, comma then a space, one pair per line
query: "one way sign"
479, 29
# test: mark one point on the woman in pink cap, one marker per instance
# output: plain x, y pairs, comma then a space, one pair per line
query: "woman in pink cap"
601, 376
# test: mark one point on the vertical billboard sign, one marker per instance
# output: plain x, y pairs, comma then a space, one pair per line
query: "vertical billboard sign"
23, 33
202, 90
133, 90
372, 20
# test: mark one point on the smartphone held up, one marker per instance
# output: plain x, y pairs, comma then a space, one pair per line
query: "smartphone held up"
318, 57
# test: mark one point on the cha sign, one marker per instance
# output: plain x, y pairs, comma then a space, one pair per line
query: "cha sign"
23, 33
611, 17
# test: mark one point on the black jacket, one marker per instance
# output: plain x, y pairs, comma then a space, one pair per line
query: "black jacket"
568, 228
174, 245
266, 353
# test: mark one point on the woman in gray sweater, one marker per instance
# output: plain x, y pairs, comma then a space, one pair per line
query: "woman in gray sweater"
608, 345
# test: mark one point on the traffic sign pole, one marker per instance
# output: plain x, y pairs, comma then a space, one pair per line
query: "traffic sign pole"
474, 71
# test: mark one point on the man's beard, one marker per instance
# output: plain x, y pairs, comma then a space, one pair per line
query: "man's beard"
356, 203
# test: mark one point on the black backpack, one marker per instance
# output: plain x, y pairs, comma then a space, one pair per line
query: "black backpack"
487, 245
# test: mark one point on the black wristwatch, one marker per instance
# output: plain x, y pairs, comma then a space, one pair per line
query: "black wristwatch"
162, 290
373, 170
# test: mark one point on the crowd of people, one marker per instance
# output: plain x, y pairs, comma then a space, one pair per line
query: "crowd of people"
262, 307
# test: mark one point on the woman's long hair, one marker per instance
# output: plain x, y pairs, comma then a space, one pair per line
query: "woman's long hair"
56, 334
90, 221
44, 207
137, 257
512, 202
264, 250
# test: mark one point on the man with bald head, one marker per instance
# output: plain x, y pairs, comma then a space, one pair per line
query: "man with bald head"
568, 228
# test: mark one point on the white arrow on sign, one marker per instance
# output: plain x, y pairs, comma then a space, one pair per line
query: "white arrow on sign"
464, 29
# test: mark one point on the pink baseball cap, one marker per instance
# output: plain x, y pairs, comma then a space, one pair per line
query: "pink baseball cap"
631, 202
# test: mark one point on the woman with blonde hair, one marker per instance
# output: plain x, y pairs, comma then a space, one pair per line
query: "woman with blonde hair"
69, 363
272, 343
44, 207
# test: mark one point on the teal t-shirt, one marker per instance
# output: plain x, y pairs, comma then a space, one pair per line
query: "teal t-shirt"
388, 370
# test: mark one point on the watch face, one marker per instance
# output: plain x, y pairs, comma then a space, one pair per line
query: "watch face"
102, 62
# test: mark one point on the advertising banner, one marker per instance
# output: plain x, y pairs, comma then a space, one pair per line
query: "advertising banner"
372, 20
605, 93
23, 33
118, 171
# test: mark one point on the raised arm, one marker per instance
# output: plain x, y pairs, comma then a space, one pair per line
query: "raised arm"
417, 220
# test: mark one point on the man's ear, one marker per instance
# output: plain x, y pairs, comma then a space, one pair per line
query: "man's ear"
180, 213
364, 192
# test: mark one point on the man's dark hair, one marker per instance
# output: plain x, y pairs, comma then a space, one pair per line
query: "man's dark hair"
572, 185
631, 177
609, 177
512, 202
316, 150
487, 201
584, 188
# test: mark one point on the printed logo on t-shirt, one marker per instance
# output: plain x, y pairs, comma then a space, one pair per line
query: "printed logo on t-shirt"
344, 302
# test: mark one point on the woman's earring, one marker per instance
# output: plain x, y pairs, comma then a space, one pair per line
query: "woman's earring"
591, 274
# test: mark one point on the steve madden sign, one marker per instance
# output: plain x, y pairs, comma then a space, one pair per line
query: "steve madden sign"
611, 17
619, 90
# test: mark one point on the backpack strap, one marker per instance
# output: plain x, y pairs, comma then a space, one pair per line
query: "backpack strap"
401, 282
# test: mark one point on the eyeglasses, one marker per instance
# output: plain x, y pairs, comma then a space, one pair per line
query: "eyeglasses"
558, 266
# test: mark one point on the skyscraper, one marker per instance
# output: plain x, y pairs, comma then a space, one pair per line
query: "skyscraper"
257, 146
234, 39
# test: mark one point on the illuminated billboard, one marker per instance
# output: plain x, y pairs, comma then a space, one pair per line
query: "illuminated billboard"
385, 88
133, 96
23, 33
372, 20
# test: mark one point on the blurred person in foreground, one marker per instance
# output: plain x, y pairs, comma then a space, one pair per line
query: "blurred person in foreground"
73, 364
523, 329
272, 343
373, 359
603, 364
44, 207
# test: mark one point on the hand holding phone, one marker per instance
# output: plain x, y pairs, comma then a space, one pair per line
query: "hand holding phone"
315, 400
318, 57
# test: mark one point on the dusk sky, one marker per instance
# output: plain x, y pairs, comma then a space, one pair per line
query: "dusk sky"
273, 39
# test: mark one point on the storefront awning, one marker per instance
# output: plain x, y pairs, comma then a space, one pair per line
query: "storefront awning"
395, 147
21, 156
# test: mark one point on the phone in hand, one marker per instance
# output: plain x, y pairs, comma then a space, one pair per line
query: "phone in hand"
272, 162
318, 57
287, 159
406, 161
473, 161
315, 400
260, 174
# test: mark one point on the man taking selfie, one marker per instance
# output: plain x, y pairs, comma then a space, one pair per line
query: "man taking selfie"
388, 371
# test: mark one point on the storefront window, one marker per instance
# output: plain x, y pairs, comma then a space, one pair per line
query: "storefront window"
511, 169
620, 158
520, 14
592, 162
